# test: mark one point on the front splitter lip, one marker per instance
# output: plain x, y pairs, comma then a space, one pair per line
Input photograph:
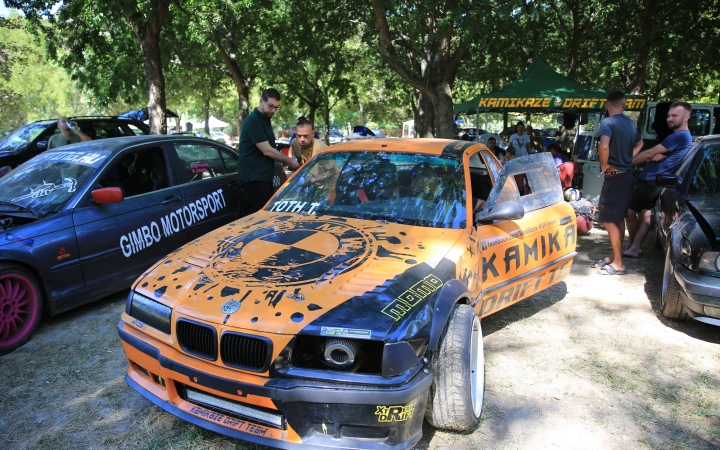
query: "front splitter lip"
288, 389
302, 392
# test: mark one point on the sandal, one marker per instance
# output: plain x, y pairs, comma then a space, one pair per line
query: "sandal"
599, 264
610, 270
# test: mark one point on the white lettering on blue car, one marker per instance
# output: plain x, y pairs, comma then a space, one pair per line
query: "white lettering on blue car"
177, 220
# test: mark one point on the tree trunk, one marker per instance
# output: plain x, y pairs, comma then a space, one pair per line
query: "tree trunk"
242, 86
152, 64
642, 51
424, 117
326, 117
311, 115
442, 104
206, 107
361, 121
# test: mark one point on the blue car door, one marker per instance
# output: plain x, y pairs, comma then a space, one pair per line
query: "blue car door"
117, 242
210, 184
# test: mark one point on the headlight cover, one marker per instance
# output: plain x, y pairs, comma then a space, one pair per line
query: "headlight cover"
710, 261
148, 311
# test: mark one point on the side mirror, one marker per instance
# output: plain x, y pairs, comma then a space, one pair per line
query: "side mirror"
42, 144
107, 196
667, 181
502, 211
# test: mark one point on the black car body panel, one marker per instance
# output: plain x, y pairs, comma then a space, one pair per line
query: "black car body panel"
32, 139
688, 225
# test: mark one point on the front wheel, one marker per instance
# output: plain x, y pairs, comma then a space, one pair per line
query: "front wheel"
456, 395
670, 304
20, 306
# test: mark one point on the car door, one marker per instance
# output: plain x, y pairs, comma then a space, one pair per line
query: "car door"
117, 242
525, 255
209, 183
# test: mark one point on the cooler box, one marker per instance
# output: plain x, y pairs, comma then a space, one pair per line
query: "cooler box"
592, 184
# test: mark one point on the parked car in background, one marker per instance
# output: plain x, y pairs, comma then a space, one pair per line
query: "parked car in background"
200, 134
83, 221
335, 136
361, 132
470, 133
221, 137
687, 217
32, 139
348, 309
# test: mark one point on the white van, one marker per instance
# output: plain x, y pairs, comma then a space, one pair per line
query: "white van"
652, 125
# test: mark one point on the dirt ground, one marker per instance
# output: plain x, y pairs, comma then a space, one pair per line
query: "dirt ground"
589, 363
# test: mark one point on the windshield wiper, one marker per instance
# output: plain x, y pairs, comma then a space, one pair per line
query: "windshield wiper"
20, 208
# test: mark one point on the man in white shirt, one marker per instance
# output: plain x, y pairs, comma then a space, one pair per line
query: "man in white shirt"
520, 141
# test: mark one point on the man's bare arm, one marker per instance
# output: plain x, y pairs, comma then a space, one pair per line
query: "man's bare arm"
638, 146
604, 151
273, 153
83, 136
647, 155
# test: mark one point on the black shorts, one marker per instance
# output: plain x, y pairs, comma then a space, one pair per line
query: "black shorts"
615, 198
644, 195
258, 194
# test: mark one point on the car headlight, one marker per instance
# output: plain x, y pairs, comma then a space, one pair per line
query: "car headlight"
710, 261
148, 311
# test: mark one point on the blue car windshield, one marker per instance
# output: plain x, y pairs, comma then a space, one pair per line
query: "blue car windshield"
23, 135
407, 188
48, 181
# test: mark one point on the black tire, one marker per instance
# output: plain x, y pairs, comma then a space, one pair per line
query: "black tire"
458, 366
21, 306
670, 304
657, 243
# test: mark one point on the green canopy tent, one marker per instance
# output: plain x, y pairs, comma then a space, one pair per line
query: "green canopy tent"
541, 89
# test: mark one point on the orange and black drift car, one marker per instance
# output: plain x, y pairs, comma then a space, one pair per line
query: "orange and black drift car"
349, 308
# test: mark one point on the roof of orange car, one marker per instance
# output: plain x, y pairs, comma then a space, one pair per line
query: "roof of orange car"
410, 145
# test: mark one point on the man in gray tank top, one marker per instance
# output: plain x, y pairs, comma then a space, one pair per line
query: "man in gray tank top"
619, 143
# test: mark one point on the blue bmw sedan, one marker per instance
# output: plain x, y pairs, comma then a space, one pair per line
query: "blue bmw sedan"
83, 221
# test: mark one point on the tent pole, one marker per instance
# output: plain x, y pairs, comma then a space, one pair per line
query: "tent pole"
505, 120
477, 124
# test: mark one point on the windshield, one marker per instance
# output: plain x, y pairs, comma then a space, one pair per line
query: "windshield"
48, 181
406, 188
23, 135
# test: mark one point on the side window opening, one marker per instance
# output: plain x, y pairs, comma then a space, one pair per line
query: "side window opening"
200, 162
707, 176
231, 161
138, 172
531, 180
480, 180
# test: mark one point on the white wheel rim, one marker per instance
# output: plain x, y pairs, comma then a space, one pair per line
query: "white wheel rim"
667, 273
477, 368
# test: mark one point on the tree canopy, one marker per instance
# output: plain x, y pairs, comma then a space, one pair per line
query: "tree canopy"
350, 61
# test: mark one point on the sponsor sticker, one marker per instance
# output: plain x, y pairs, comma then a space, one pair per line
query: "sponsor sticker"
345, 332
232, 422
394, 413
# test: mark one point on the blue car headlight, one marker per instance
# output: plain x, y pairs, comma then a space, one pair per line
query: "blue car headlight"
148, 311
709, 261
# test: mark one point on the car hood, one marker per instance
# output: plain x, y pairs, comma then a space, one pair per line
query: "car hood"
280, 273
706, 209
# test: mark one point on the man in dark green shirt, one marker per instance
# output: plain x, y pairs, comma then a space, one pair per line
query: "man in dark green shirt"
256, 160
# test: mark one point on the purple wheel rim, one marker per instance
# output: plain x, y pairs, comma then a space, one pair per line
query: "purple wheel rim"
19, 308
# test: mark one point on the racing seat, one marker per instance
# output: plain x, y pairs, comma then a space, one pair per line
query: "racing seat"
149, 173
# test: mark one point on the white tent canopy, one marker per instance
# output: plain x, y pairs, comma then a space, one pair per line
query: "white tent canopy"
213, 122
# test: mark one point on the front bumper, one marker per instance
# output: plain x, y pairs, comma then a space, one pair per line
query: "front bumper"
700, 295
319, 414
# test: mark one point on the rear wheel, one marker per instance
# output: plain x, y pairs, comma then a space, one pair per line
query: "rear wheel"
456, 395
670, 304
20, 306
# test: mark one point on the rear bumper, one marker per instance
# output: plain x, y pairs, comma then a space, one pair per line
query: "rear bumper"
319, 414
700, 295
